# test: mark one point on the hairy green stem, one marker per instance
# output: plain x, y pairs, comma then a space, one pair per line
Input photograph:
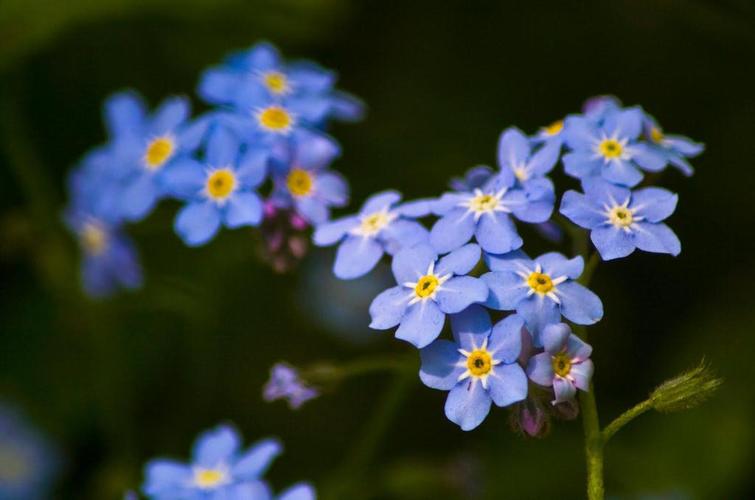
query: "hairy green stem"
625, 418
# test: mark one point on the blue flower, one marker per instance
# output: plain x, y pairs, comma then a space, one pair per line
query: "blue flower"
219, 469
597, 108
621, 220
516, 158
478, 367
675, 149
484, 214
551, 134
541, 290
475, 177
277, 97
284, 383
428, 290
379, 227
219, 190
307, 185
28, 463
145, 147
610, 149
565, 364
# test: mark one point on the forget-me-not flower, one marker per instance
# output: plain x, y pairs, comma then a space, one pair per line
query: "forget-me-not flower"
380, 227
285, 383
611, 150
428, 289
478, 367
541, 290
621, 220
219, 190
674, 148
565, 365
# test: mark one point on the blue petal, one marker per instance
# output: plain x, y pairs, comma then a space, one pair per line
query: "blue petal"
139, 197
346, 107
163, 476
300, 491
379, 201
540, 369
460, 261
545, 158
601, 192
356, 256
222, 148
416, 208
471, 327
252, 490
648, 158
184, 178
684, 146
626, 123
216, 446
387, 309
124, 114
654, 204
578, 348
441, 365
497, 234
612, 242
313, 210
507, 384
311, 77
315, 151
563, 389
539, 209
401, 234
452, 230
411, 264
554, 337
578, 209
581, 164
333, 188
448, 202
622, 172
255, 462
506, 339
253, 167
218, 86
556, 265
421, 324
467, 404
657, 238
578, 304
538, 311
507, 290
193, 133
458, 293
582, 373
331, 232
516, 261
172, 113
578, 133
513, 148
243, 209
197, 223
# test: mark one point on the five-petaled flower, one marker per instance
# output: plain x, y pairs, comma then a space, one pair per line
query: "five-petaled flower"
541, 290
621, 220
564, 364
428, 290
478, 367
675, 149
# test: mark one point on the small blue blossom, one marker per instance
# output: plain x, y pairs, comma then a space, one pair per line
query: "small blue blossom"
219, 469
597, 108
484, 214
610, 149
478, 367
621, 220
541, 290
307, 184
28, 463
428, 290
529, 168
565, 365
380, 227
674, 148
145, 147
285, 383
219, 190
550, 135
475, 177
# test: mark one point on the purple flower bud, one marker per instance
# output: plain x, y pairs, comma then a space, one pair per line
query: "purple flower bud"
284, 383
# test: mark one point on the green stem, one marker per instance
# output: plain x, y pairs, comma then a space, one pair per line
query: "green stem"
329, 373
593, 445
624, 419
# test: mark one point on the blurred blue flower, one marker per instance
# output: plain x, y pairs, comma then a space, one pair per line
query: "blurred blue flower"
565, 365
307, 185
541, 290
379, 227
146, 146
610, 149
675, 149
596, 108
285, 383
428, 290
219, 191
28, 463
475, 177
218, 469
478, 367
621, 220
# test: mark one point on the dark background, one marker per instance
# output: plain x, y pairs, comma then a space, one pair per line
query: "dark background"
117, 382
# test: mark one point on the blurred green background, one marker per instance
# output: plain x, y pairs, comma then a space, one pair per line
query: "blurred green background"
117, 382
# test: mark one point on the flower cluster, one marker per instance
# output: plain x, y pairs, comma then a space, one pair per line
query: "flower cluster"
267, 125
220, 469
469, 263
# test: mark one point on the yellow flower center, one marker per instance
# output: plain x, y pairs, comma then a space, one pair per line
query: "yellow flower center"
93, 238
209, 478
479, 362
483, 203
561, 364
656, 135
220, 184
621, 216
426, 286
521, 173
373, 223
158, 152
610, 148
540, 282
276, 82
299, 182
554, 128
275, 119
